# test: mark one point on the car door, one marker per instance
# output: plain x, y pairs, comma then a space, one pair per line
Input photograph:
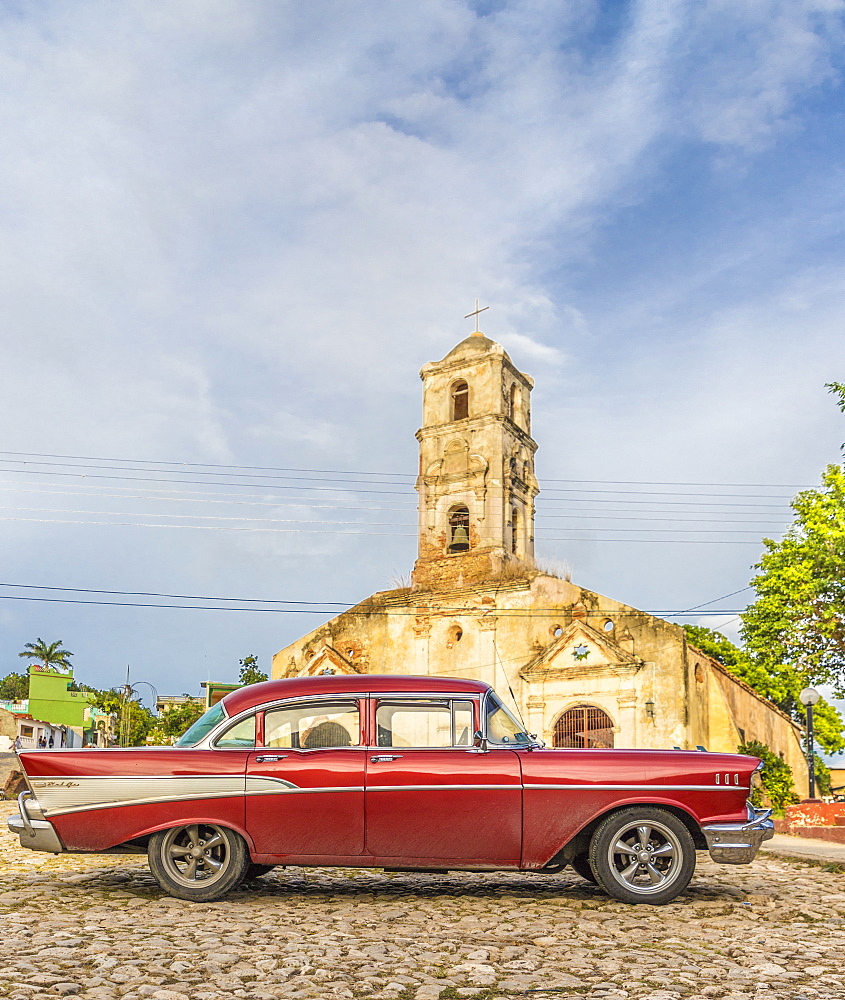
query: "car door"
305, 782
433, 797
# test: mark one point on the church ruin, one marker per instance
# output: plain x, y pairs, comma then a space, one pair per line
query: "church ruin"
584, 669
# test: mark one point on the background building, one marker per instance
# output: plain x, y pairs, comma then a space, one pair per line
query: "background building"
583, 669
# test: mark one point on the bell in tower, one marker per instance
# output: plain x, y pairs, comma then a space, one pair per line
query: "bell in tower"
459, 534
476, 484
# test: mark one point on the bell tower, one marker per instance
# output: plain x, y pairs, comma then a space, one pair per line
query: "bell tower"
476, 480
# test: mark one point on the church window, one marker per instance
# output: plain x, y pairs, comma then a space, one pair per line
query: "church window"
607, 625
584, 728
459, 529
699, 673
557, 631
460, 400
513, 403
456, 633
514, 530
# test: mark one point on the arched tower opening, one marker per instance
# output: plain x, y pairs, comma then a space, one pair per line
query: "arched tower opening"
458, 529
460, 400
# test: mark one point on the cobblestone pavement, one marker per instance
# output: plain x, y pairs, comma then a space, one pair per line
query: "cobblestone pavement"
98, 926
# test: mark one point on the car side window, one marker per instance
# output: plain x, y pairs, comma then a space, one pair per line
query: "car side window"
242, 734
431, 724
312, 727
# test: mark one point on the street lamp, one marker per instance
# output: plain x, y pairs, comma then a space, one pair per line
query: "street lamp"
809, 697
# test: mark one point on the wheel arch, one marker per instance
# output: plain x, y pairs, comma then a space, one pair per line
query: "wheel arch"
142, 838
579, 842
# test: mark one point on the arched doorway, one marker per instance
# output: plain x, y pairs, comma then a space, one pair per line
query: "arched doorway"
583, 728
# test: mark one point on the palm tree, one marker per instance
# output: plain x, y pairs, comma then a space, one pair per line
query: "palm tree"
51, 655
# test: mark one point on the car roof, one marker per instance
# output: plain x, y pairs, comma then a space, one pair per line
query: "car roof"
301, 687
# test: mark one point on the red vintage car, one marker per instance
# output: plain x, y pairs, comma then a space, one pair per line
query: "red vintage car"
394, 772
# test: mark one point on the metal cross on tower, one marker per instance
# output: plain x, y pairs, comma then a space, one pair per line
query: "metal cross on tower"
477, 311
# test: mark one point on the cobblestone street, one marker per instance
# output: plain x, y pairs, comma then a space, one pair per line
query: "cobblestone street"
98, 926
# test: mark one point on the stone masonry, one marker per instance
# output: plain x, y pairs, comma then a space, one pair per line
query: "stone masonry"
98, 927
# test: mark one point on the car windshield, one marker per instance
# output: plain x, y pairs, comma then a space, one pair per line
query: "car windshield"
502, 727
202, 727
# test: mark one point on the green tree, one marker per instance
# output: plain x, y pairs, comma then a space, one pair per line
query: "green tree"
14, 687
50, 655
779, 682
134, 720
250, 674
778, 787
838, 390
799, 614
173, 722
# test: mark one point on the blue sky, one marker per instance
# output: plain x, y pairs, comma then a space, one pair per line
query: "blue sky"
232, 233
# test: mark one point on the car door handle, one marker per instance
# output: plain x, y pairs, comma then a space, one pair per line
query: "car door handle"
386, 756
264, 758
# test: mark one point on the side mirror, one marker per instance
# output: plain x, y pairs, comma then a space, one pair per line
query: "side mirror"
478, 740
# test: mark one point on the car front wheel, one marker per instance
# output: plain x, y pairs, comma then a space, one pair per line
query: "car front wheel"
642, 855
200, 862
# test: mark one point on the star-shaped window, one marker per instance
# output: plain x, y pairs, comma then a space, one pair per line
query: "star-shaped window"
581, 652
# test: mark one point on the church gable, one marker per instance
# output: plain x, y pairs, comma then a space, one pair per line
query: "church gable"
327, 660
578, 651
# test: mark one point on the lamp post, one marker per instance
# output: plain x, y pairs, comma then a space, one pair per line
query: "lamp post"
808, 698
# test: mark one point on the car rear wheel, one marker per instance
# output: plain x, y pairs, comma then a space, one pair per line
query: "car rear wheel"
199, 862
642, 855
581, 866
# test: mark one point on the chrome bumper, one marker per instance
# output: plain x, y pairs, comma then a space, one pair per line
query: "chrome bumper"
34, 833
738, 843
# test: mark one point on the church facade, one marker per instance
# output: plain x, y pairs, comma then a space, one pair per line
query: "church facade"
585, 670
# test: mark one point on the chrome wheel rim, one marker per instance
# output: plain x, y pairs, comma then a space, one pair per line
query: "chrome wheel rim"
645, 857
196, 855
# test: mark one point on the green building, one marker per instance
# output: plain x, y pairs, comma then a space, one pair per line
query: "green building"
50, 697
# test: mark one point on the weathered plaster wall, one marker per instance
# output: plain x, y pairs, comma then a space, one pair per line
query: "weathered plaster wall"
524, 634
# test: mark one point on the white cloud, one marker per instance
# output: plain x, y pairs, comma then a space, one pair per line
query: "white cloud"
233, 232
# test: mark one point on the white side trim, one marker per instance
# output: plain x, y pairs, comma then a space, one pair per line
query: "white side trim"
59, 796
440, 788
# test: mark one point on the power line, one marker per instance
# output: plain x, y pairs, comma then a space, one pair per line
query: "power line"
350, 497
399, 534
301, 502
341, 472
716, 600
237, 475
185, 597
406, 524
499, 613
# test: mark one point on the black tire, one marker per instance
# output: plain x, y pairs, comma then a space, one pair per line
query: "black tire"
200, 862
642, 855
581, 866
256, 871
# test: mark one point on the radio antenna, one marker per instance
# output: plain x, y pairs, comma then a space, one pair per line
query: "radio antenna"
513, 696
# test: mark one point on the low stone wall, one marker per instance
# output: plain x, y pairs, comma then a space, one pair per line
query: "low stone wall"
815, 813
817, 820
